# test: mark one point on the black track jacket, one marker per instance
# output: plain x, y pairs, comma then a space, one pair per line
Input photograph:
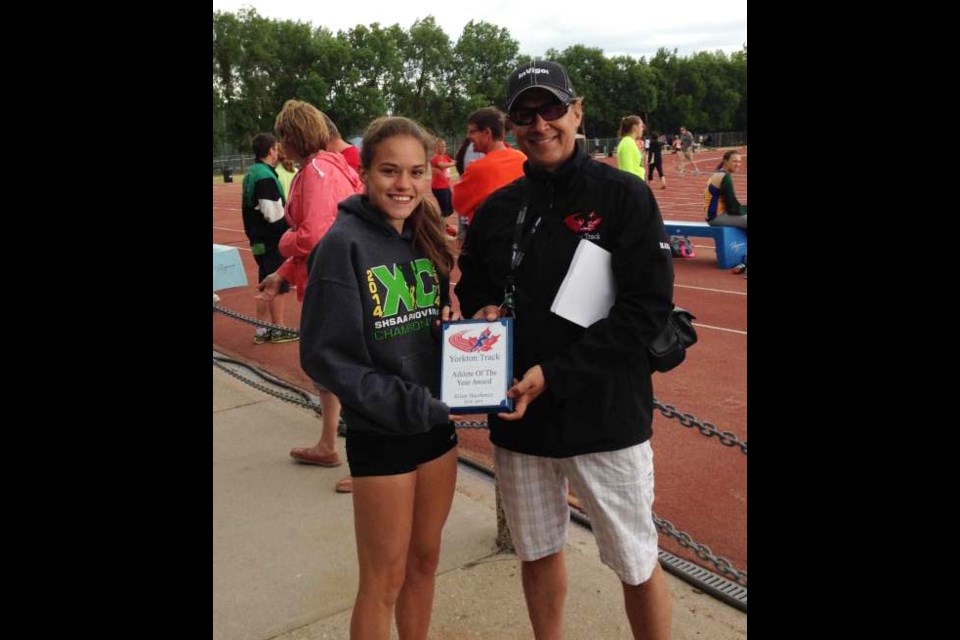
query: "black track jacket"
599, 394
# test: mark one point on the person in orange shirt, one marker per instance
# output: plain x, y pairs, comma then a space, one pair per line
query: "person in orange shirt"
499, 167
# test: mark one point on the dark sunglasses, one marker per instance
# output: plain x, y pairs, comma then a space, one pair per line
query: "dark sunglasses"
549, 112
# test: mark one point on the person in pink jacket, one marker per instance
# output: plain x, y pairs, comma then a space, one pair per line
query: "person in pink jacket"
324, 179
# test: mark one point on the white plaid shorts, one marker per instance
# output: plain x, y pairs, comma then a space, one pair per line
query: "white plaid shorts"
615, 489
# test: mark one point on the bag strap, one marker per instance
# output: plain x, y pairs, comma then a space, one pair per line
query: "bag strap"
521, 242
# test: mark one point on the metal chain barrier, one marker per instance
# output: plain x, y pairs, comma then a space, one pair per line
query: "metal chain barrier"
727, 438
688, 420
470, 424
301, 401
252, 320
703, 551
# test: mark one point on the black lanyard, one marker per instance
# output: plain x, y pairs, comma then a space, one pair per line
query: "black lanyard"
516, 257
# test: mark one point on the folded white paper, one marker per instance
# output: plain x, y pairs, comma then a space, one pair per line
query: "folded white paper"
587, 291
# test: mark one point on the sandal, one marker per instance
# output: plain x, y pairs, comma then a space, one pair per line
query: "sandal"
344, 485
306, 456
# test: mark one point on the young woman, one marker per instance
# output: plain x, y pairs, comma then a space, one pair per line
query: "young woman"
720, 202
368, 333
628, 153
324, 179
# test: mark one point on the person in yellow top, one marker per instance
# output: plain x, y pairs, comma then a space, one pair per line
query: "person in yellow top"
628, 153
285, 171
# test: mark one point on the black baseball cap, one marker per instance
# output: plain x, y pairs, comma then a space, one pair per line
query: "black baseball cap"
542, 74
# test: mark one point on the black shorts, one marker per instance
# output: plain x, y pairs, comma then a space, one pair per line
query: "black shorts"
268, 263
445, 200
374, 455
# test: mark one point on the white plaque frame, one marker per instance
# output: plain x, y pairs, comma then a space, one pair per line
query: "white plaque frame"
476, 368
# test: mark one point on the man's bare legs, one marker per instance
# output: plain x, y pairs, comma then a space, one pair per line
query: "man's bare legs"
276, 310
545, 589
264, 308
648, 607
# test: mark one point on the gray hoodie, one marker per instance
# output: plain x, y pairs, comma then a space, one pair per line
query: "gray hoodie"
366, 329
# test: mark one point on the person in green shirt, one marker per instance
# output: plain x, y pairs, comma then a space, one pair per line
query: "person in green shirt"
263, 222
628, 153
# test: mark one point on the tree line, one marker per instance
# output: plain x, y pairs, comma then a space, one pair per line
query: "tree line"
371, 70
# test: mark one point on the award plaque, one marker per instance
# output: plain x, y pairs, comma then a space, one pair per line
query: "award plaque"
477, 365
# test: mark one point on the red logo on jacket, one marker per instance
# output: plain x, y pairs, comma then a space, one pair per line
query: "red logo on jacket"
581, 223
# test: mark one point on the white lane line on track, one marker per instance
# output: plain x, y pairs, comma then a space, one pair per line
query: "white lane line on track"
708, 326
688, 286
228, 229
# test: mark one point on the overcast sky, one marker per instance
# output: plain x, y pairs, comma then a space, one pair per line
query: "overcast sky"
618, 27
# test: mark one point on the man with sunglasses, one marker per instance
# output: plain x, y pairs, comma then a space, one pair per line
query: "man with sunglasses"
500, 165
584, 406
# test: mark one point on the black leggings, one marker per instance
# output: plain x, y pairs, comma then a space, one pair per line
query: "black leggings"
658, 163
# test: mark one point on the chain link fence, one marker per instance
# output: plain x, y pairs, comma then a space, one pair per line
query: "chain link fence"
230, 164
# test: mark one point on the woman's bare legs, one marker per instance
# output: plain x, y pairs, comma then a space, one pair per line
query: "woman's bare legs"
383, 522
398, 522
436, 481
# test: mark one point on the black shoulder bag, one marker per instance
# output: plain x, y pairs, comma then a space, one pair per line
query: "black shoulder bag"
670, 347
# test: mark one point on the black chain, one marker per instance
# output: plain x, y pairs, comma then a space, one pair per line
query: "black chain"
286, 397
251, 320
470, 424
703, 551
726, 438
302, 402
